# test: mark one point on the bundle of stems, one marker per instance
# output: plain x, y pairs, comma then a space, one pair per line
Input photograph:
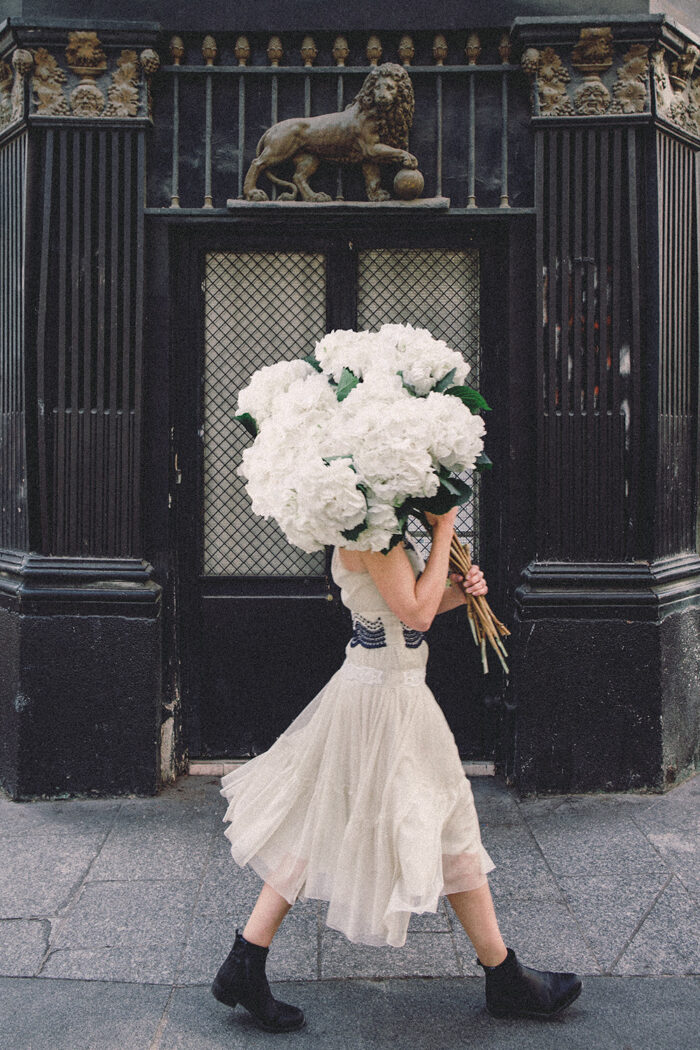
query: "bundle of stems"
482, 622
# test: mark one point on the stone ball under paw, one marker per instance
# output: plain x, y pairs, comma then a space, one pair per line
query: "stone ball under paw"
408, 184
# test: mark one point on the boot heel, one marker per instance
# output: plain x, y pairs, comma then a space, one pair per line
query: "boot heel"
219, 992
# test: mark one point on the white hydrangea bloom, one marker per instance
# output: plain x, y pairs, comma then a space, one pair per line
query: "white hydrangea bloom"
267, 384
453, 435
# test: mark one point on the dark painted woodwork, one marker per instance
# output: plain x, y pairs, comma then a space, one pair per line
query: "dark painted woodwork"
89, 333
13, 465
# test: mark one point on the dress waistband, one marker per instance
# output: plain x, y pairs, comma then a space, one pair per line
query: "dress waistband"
382, 676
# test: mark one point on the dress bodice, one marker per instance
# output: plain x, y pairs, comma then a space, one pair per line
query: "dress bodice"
376, 629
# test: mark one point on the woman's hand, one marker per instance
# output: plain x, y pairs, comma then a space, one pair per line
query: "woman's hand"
474, 582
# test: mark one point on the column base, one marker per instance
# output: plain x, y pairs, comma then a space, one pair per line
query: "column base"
607, 676
80, 696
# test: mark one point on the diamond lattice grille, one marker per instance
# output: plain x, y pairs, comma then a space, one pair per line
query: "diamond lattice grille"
260, 307
437, 290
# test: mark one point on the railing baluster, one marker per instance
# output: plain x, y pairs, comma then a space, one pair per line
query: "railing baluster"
504, 203
177, 51
175, 185
274, 103
471, 162
339, 192
241, 131
208, 201
438, 159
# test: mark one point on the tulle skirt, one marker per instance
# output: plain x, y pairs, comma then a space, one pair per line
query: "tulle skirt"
361, 802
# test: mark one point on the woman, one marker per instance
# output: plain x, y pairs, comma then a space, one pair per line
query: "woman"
363, 801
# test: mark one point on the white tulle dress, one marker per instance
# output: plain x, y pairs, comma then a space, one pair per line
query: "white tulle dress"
362, 801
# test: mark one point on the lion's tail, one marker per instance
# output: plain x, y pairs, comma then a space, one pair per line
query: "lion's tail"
281, 182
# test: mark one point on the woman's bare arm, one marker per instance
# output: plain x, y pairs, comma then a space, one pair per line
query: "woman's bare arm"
415, 602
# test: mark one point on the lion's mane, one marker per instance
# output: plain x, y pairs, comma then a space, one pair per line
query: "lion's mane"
395, 124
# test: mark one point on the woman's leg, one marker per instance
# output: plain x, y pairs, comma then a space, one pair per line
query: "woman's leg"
266, 917
474, 909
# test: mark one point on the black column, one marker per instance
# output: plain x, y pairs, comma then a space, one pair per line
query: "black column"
80, 704
608, 610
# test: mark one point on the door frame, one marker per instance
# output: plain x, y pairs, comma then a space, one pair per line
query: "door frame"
506, 248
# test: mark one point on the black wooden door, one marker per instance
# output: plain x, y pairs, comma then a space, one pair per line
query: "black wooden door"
264, 629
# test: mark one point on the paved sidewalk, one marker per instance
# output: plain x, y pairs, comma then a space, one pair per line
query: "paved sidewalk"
115, 914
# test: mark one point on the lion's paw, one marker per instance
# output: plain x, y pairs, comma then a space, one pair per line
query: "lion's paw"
320, 198
257, 195
380, 195
409, 161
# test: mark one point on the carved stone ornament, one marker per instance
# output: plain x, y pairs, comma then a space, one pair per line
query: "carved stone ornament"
177, 50
406, 50
504, 47
630, 90
677, 90
87, 60
123, 94
473, 49
440, 49
274, 51
47, 82
309, 51
371, 131
150, 63
209, 49
22, 62
340, 50
551, 77
242, 50
374, 50
591, 57
6, 77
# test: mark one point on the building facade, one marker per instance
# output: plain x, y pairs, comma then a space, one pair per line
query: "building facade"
146, 616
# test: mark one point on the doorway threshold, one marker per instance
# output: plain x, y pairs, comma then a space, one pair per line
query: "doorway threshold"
219, 767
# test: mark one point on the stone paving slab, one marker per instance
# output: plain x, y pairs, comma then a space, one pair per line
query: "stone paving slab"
23, 946
79, 1015
613, 1013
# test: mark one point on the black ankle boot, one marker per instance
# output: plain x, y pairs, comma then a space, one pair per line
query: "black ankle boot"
241, 979
514, 990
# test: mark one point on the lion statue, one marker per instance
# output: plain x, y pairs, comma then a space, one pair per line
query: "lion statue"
372, 130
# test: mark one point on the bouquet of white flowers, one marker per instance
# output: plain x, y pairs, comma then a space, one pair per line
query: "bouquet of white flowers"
354, 437
371, 427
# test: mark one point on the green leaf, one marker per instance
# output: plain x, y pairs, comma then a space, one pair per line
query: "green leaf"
248, 422
445, 381
482, 462
393, 542
347, 382
407, 386
311, 360
352, 534
452, 493
470, 397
